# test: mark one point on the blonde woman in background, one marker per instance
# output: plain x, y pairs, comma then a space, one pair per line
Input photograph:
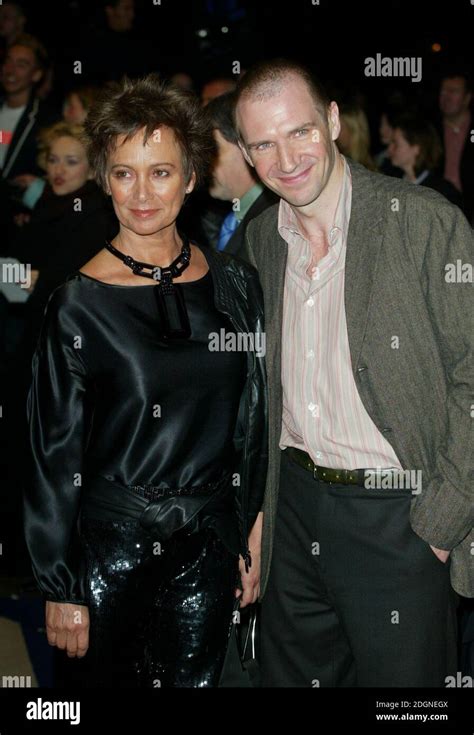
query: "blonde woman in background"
354, 138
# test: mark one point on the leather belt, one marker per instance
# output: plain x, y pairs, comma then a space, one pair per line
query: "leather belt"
326, 474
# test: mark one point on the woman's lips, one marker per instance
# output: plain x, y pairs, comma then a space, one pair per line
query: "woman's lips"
143, 213
58, 182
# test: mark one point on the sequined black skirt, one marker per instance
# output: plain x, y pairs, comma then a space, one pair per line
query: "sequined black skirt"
160, 613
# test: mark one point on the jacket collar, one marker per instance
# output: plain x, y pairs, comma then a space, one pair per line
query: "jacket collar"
25, 124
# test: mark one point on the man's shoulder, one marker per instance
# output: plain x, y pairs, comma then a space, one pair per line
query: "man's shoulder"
391, 187
265, 221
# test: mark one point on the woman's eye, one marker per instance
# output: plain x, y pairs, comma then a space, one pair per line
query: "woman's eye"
121, 174
160, 171
301, 132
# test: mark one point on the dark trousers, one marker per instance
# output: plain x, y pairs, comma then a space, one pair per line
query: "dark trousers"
355, 597
156, 619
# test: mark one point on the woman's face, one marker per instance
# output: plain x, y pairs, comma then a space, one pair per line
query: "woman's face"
74, 111
401, 152
147, 182
67, 167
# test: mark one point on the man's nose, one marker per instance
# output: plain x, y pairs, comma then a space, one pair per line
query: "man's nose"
286, 159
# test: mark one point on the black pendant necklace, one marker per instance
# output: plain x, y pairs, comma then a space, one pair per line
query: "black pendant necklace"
169, 296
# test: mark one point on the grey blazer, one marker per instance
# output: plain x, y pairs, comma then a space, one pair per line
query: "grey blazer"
401, 238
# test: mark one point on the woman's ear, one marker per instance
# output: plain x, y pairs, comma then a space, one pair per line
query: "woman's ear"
191, 183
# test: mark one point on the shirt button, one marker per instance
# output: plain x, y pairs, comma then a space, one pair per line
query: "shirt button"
314, 408
319, 455
310, 353
310, 302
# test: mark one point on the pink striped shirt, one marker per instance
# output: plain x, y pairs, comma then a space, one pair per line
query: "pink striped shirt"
322, 410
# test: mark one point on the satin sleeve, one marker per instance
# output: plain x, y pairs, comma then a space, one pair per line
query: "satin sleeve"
56, 420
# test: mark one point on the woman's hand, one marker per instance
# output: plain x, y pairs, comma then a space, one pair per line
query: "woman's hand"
251, 579
67, 627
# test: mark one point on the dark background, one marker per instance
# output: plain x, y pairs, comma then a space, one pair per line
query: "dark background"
333, 37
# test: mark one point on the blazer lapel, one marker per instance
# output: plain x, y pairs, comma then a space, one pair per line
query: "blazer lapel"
364, 241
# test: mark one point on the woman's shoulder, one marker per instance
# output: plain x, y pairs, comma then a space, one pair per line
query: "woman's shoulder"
67, 300
233, 264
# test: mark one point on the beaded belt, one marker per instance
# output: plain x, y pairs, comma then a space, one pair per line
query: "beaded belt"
153, 492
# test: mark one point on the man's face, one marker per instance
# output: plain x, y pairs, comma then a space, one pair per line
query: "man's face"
288, 141
453, 97
229, 158
19, 71
11, 21
121, 16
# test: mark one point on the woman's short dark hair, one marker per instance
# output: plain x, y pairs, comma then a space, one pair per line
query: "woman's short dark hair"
125, 107
418, 131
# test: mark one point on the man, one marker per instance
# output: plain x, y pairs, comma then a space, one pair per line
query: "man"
233, 179
22, 115
456, 132
12, 24
215, 87
368, 346
21, 112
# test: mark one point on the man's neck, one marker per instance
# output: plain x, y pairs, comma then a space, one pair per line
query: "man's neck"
457, 120
316, 219
18, 99
243, 187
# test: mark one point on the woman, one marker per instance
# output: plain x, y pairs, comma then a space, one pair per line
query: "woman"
75, 108
416, 149
354, 138
140, 432
68, 223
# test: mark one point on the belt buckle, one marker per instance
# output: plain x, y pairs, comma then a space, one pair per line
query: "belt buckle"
315, 472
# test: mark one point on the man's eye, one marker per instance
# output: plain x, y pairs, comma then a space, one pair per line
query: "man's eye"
121, 174
262, 146
301, 132
161, 171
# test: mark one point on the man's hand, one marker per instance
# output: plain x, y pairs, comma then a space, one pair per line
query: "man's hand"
24, 180
251, 580
67, 627
442, 554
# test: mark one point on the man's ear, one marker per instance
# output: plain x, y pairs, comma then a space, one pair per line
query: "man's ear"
334, 122
245, 154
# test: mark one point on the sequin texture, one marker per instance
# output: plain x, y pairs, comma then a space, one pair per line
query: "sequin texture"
160, 614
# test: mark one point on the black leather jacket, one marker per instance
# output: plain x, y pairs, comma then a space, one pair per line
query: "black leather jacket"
238, 294
65, 385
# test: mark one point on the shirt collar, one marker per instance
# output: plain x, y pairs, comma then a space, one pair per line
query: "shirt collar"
247, 200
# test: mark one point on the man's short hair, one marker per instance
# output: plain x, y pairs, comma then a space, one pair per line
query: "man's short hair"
33, 43
263, 79
220, 113
458, 72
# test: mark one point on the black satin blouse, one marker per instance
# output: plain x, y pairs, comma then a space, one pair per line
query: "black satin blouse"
109, 397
